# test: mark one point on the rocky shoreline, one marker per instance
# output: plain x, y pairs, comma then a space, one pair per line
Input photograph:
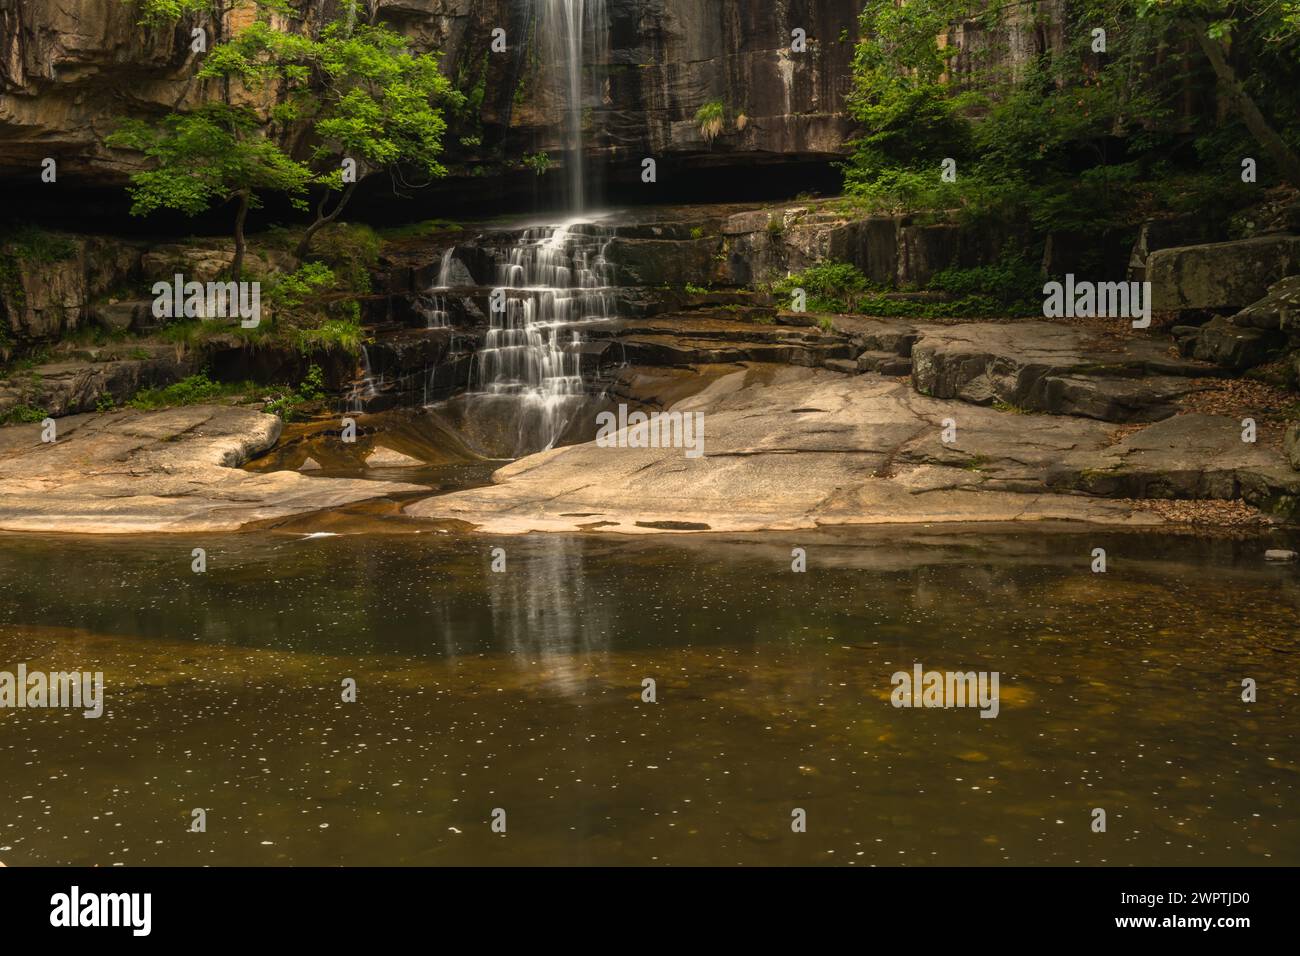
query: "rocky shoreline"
784, 447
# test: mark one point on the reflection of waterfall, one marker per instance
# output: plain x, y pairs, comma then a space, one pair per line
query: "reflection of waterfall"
546, 612
573, 33
555, 279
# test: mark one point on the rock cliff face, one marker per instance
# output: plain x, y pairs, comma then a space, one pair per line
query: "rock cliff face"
70, 69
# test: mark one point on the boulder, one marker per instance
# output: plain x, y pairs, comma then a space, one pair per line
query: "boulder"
1227, 344
1043, 366
1291, 444
1279, 309
1220, 275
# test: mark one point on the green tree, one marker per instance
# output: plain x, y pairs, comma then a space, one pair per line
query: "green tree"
1266, 28
215, 155
364, 96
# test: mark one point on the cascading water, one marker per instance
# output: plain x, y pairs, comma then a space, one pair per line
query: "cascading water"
556, 277
435, 309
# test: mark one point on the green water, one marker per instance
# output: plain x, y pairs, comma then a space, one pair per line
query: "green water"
521, 690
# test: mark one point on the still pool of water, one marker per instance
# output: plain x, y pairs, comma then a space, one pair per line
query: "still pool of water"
522, 690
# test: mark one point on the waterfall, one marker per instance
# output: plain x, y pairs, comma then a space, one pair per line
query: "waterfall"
435, 307
556, 277
571, 33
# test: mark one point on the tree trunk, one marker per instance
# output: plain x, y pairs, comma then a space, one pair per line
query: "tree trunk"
1283, 157
237, 266
322, 220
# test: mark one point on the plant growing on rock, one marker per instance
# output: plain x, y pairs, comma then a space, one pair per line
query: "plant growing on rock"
538, 162
710, 118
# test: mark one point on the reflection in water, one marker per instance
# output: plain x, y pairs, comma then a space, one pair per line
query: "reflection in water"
546, 614
521, 690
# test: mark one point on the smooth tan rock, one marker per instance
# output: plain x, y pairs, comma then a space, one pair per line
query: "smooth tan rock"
383, 457
795, 448
164, 471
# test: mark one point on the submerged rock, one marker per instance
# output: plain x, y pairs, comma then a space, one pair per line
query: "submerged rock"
383, 457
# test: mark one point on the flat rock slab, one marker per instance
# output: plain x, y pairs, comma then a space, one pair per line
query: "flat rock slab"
1189, 456
788, 448
162, 471
1054, 368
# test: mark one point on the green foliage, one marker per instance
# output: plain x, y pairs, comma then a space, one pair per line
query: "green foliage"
351, 250
29, 243
417, 230
366, 95
711, 118
358, 88
286, 405
831, 286
291, 290
205, 158
1010, 287
154, 12
1074, 141
23, 415
194, 390
538, 162
1013, 283
346, 334
313, 386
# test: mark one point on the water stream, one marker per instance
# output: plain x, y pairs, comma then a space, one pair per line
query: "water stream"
556, 278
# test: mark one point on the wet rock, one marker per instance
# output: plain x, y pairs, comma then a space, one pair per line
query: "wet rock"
846, 366
656, 262
886, 363
1156, 234
311, 464
383, 457
1187, 456
68, 387
122, 316
1291, 444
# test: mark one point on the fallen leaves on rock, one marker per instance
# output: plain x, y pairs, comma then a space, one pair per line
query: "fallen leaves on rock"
1217, 514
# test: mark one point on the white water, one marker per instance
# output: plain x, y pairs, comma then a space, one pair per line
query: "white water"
555, 280
556, 277
572, 34
435, 312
